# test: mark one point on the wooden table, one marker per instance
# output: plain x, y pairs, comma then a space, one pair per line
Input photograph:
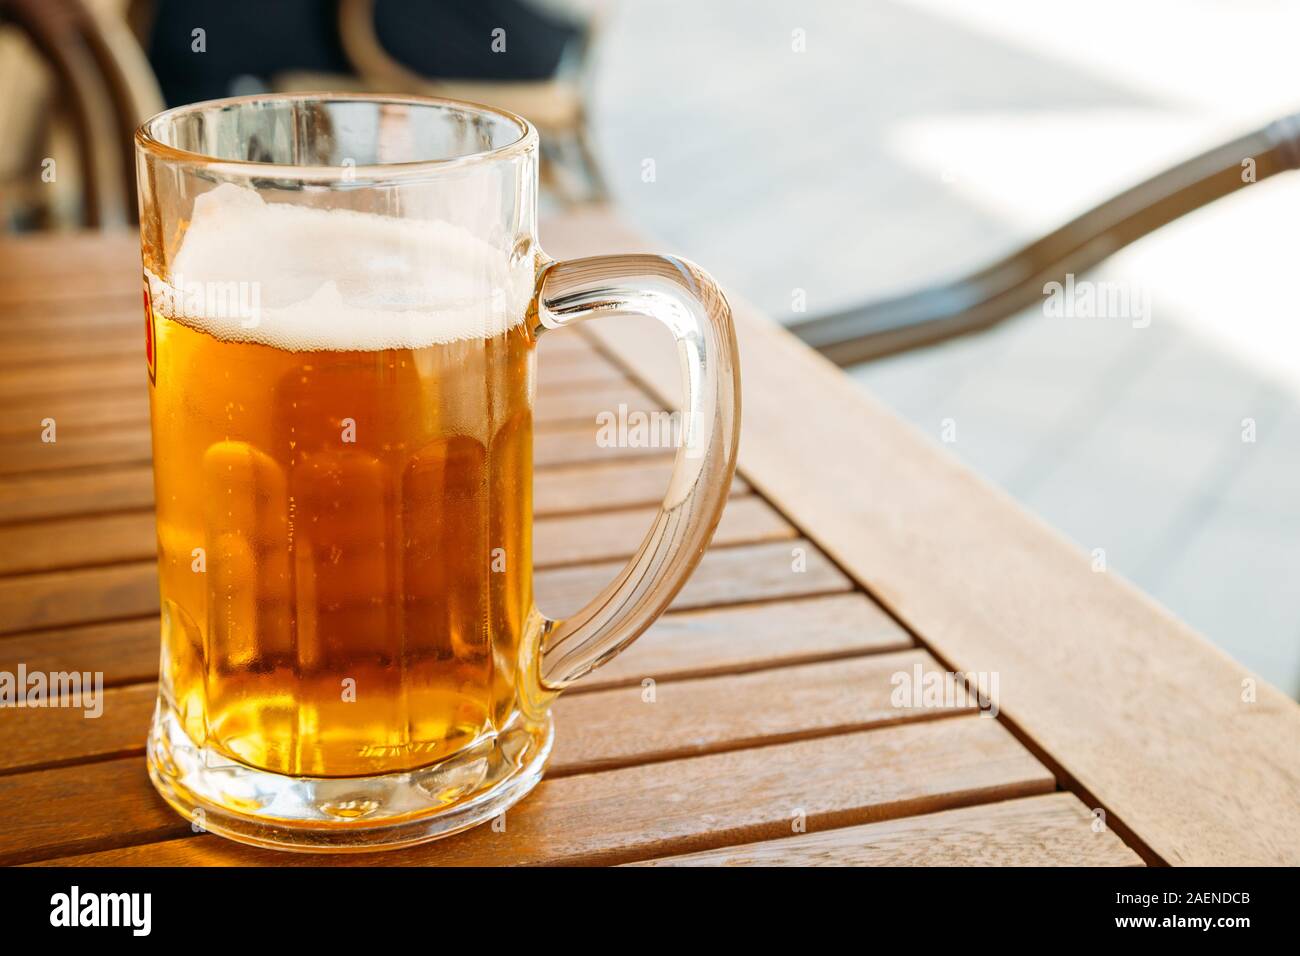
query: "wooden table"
852, 550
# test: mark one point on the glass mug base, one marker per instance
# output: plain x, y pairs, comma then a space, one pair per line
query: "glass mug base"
346, 814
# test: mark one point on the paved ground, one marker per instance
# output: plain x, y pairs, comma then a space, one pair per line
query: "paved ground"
913, 140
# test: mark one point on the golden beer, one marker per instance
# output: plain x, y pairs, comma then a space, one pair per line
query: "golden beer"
342, 294
344, 546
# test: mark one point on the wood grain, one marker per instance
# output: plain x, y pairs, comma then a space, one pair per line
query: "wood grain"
562, 489
736, 639
88, 595
598, 730
1050, 830
561, 540
91, 337
616, 816
1152, 724
123, 651
64, 380
122, 446
53, 327
59, 255
566, 539
580, 444
601, 486
71, 384
61, 598
578, 539
39, 496
668, 719
21, 418
725, 576
93, 805
77, 542
74, 290
56, 736
771, 678
560, 444
679, 644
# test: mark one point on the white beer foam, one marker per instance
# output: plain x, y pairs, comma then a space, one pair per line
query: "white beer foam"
307, 279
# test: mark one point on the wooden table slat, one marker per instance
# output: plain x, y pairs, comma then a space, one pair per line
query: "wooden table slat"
553, 445
764, 696
56, 255
616, 816
20, 419
725, 576
74, 382
564, 539
585, 487
599, 730
1190, 754
1050, 830
680, 644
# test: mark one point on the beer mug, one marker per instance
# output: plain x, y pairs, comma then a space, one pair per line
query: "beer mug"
343, 296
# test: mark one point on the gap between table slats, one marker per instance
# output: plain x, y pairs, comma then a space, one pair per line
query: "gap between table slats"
681, 644
553, 445
734, 575
1050, 830
73, 384
20, 420
632, 813
84, 542
617, 726
581, 488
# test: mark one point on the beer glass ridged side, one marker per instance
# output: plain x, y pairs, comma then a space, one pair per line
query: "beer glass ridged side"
343, 294
350, 618
341, 405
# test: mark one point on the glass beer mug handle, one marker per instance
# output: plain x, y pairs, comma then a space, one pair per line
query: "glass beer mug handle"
685, 299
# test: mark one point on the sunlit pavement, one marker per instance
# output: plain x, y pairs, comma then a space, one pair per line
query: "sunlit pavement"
911, 141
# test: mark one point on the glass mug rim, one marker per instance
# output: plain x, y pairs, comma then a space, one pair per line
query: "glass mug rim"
147, 140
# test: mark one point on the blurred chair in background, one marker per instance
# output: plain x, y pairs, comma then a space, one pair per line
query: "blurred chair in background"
77, 86
550, 93
81, 86
984, 298
78, 82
